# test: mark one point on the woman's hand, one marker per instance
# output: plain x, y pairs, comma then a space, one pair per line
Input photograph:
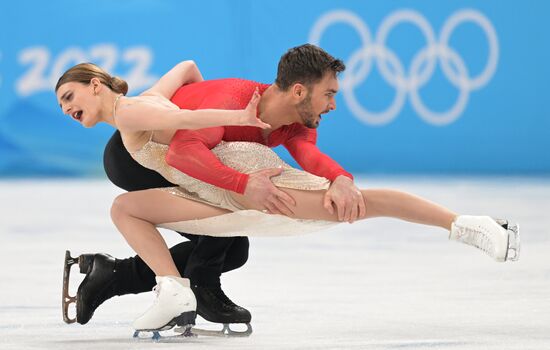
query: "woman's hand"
250, 113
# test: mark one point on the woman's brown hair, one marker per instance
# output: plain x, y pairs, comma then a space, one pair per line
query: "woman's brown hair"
84, 72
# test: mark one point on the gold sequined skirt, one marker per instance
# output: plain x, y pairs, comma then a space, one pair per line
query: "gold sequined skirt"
247, 157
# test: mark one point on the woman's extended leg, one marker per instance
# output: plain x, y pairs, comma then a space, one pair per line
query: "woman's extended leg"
135, 214
406, 206
379, 203
500, 240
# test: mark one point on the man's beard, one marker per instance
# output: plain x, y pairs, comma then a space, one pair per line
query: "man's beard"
305, 111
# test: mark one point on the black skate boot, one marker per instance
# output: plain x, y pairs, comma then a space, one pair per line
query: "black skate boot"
97, 286
214, 306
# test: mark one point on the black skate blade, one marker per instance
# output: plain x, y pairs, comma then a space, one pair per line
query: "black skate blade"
66, 299
225, 332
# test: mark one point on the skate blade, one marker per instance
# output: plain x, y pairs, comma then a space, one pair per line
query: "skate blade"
184, 322
162, 338
166, 337
138, 335
226, 331
67, 300
514, 243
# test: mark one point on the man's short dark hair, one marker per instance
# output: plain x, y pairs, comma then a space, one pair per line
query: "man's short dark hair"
306, 64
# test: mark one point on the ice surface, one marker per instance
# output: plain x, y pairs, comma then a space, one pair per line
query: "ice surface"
379, 284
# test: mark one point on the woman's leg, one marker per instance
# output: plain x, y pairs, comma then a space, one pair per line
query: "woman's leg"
408, 207
379, 203
135, 214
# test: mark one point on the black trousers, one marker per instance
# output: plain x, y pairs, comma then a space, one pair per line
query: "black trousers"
202, 259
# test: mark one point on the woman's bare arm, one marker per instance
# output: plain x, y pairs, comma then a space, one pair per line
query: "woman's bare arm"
142, 116
185, 72
139, 116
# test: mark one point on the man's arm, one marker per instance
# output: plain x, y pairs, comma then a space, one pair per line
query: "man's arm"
343, 193
302, 146
190, 152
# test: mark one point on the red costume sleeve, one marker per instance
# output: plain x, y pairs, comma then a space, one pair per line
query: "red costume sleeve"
302, 147
190, 152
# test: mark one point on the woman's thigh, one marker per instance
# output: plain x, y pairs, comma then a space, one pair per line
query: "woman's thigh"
157, 207
309, 204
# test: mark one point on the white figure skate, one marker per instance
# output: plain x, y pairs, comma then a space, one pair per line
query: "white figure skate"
175, 304
499, 239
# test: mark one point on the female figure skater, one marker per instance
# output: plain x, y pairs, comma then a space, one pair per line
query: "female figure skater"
147, 124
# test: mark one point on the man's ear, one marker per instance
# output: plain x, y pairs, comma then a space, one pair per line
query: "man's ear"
299, 91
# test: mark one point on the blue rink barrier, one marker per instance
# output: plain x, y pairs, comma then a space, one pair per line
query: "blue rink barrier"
430, 86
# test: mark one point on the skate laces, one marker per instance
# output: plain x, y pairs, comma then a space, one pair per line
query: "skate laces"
477, 237
218, 292
156, 290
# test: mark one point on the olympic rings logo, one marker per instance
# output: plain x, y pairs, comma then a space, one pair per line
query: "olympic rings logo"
422, 65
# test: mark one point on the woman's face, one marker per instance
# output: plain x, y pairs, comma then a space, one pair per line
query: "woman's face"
79, 101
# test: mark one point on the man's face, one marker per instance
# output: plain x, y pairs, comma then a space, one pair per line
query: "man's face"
319, 100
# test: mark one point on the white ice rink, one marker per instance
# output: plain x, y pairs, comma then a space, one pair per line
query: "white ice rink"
381, 284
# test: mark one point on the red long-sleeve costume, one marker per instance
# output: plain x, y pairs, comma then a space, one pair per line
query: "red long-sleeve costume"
190, 149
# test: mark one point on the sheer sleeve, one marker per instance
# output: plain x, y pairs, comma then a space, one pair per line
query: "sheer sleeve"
190, 152
302, 146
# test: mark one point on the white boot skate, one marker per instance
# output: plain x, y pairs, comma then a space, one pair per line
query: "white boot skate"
497, 238
175, 304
